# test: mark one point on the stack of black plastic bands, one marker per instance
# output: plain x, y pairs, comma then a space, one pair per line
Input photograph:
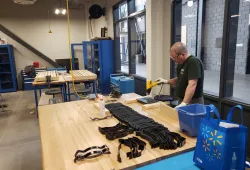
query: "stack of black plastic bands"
156, 134
115, 132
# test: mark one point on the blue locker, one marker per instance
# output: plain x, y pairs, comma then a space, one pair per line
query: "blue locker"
99, 59
8, 82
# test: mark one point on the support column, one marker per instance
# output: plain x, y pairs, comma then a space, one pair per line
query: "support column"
158, 26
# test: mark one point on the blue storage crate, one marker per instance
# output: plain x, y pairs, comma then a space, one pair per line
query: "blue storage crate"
189, 118
125, 84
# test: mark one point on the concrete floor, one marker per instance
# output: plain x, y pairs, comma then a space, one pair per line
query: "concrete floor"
241, 90
19, 133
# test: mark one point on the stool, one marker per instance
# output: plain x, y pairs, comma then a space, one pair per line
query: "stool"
83, 92
53, 100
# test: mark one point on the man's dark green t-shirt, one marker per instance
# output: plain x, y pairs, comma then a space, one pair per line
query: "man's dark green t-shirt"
191, 69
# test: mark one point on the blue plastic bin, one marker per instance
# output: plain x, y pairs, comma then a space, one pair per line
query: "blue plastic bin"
189, 118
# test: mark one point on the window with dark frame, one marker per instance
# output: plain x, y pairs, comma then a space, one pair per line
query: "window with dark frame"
223, 45
130, 37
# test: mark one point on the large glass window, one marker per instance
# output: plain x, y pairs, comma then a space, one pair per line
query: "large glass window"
138, 45
121, 42
137, 5
212, 44
185, 26
237, 65
189, 26
130, 38
124, 46
121, 12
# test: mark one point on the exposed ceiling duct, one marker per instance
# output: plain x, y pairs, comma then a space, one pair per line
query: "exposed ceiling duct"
25, 2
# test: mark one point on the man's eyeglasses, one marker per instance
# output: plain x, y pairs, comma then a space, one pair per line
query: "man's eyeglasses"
174, 58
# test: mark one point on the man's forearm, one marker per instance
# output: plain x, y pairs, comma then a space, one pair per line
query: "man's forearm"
172, 82
190, 90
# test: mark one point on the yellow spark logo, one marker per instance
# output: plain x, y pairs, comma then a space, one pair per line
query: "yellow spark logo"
215, 139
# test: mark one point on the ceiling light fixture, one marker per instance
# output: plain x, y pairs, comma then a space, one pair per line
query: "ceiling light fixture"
60, 10
190, 3
64, 11
57, 11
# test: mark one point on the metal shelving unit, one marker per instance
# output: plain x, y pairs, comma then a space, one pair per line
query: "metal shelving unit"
99, 59
8, 81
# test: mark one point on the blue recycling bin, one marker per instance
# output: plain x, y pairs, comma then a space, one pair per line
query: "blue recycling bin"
189, 118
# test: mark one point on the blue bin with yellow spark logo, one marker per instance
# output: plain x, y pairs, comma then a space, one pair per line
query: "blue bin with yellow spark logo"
189, 118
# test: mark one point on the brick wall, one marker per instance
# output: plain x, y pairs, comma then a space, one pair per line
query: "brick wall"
213, 29
242, 37
189, 18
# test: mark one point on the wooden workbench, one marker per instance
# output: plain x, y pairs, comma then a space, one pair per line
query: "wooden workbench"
80, 76
38, 85
60, 80
66, 127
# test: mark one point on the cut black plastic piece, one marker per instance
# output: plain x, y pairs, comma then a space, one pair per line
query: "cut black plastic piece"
115, 132
91, 152
136, 147
156, 134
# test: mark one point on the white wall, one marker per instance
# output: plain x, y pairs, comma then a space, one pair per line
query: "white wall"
31, 24
158, 24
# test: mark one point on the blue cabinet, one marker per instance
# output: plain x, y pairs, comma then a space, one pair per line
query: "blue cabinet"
27, 80
99, 59
8, 82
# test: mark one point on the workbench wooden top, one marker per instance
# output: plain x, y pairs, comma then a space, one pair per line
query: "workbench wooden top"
60, 80
67, 127
80, 76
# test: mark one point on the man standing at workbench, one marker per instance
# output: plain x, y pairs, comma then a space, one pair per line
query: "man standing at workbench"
190, 76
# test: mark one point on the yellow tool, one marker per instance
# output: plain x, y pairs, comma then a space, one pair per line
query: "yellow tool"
150, 85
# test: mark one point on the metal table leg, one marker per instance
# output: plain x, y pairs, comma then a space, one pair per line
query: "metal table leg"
61, 91
36, 100
68, 91
64, 93
94, 87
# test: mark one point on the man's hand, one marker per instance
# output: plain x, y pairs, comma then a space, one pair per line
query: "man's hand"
161, 81
180, 105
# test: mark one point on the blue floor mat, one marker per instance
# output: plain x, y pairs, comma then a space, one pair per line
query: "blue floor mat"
180, 162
